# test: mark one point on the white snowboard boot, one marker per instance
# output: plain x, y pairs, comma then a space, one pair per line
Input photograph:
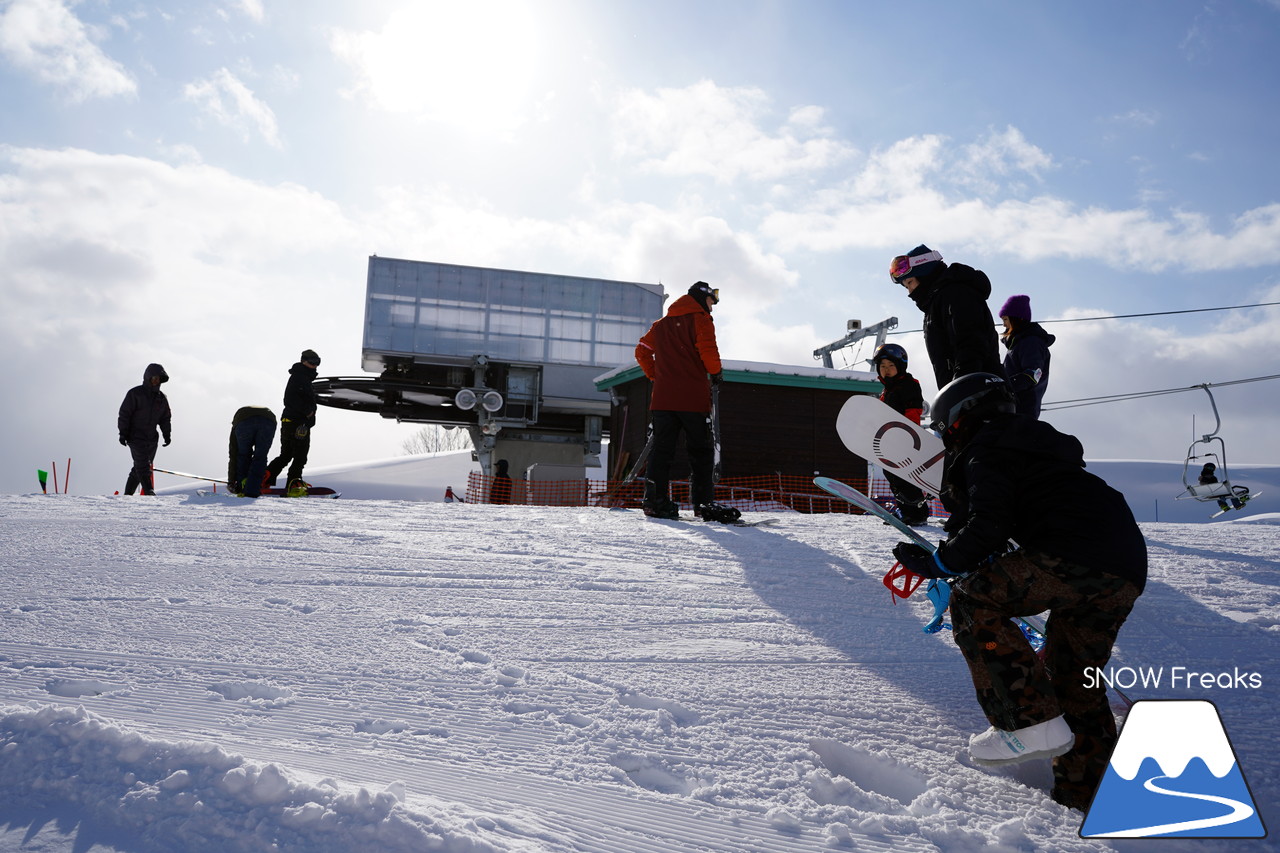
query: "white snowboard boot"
1043, 740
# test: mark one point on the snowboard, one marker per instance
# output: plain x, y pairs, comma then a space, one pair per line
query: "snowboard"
858, 499
873, 431
312, 492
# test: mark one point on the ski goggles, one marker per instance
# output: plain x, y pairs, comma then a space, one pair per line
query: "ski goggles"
901, 266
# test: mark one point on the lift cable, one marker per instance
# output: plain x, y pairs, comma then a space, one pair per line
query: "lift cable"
1126, 316
1138, 395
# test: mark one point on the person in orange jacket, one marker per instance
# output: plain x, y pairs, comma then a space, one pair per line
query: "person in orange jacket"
680, 356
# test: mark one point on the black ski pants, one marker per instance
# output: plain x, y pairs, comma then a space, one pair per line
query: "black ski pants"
293, 451
144, 454
666, 428
253, 443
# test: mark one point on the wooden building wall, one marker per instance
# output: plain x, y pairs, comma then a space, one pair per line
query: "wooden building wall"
765, 430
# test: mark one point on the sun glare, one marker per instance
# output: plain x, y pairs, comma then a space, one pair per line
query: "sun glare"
470, 64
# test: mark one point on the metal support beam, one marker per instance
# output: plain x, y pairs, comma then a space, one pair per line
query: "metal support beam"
856, 333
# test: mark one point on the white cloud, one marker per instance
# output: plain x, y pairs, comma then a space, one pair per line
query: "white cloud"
913, 188
44, 38
705, 129
253, 9
231, 103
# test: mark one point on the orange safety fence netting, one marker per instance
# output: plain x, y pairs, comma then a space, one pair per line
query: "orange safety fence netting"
769, 493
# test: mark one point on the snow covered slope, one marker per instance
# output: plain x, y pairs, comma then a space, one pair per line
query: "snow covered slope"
185, 673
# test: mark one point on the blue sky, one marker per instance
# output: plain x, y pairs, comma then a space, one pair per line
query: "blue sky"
201, 184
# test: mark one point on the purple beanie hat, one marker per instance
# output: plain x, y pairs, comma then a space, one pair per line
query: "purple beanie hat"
1017, 307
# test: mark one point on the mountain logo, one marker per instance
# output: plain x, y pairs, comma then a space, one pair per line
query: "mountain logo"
1173, 774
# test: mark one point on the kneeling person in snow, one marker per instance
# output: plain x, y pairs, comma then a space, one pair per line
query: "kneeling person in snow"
1082, 558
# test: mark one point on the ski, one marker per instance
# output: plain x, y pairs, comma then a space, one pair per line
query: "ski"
1243, 501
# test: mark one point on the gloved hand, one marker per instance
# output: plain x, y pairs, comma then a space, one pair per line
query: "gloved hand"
717, 378
124, 442
167, 441
916, 559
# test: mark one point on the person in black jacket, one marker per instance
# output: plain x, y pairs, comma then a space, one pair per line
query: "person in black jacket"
500, 491
253, 428
959, 333
1080, 556
902, 394
145, 408
296, 421
1027, 363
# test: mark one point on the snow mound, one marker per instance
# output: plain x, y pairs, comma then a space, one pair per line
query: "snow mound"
196, 797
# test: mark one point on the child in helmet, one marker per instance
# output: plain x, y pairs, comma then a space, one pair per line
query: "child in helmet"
902, 394
1081, 556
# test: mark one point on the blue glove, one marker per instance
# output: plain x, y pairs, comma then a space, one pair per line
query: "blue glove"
919, 560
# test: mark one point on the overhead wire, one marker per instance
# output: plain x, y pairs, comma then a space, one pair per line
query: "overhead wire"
1125, 316
1138, 395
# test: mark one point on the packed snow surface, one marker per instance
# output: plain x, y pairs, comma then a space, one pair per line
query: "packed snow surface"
217, 674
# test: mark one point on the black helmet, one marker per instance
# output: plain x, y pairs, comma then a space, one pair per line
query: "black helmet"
973, 394
705, 294
893, 352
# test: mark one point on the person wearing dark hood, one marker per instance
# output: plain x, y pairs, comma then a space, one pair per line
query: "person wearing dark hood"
680, 356
959, 332
144, 410
500, 491
253, 428
1079, 555
1026, 364
902, 394
296, 421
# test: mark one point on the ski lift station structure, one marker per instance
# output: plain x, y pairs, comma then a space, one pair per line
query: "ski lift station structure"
539, 368
507, 355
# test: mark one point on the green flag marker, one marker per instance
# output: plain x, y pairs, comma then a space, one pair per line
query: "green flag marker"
44, 480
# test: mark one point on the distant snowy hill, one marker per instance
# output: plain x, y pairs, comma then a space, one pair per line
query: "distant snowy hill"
1150, 487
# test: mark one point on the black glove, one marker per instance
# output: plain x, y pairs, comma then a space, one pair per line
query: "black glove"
717, 378
167, 441
919, 560
124, 442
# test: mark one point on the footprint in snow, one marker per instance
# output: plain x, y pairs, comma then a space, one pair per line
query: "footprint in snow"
256, 694
653, 775
865, 779
73, 688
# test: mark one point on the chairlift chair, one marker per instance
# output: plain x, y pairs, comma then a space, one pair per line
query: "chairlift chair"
1211, 448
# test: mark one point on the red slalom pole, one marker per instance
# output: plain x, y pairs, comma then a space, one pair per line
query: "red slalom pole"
54, 465
66, 478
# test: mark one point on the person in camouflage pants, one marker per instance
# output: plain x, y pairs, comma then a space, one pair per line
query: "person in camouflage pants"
1015, 687
1082, 558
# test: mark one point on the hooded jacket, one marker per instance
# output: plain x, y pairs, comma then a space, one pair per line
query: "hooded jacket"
300, 395
677, 354
1021, 479
145, 408
902, 394
1027, 365
959, 332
